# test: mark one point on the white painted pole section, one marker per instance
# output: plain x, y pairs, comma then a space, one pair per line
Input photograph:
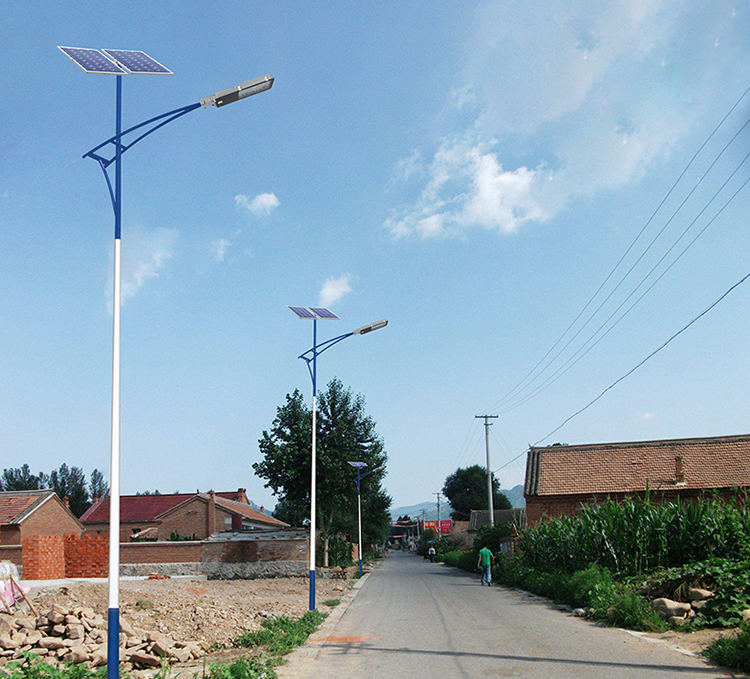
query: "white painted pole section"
114, 472
312, 502
359, 516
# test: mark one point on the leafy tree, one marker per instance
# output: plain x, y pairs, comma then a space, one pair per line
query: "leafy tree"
345, 432
98, 487
70, 482
466, 489
22, 479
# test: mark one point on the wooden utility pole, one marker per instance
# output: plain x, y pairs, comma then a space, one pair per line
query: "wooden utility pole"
487, 425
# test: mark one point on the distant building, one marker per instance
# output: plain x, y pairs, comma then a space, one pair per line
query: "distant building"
25, 513
198, 515
562, 478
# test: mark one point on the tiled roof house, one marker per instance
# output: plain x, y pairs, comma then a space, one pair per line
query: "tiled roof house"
24, 513
186, 514
560, 478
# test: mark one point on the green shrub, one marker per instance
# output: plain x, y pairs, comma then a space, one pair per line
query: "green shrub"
36, 668
732, 651
632, 611
490, 536
244, 668
339, 551
283, 634
466, 560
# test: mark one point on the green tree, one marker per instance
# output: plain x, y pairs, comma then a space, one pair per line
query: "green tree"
22, 479
345, 432
98, 487
70, 482
466, 489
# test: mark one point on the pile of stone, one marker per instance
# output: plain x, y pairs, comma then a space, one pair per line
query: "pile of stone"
79, 635
679, 612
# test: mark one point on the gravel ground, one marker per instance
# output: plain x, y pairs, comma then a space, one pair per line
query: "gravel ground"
215, 611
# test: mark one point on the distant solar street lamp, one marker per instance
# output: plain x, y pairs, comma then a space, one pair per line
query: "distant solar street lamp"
360, 476
315, 314
120, 63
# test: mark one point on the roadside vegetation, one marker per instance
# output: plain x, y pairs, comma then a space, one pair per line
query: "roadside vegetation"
612, 560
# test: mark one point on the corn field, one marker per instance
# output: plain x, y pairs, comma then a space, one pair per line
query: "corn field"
639, 535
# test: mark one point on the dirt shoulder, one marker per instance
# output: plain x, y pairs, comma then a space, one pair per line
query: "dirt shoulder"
214, 611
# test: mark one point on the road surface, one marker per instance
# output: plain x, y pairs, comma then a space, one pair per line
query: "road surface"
415, 619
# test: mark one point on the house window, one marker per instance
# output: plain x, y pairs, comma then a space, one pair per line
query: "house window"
227, 521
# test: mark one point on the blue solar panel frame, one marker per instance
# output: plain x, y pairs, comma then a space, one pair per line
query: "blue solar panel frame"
92, 60
137, 62
323, 313
302, 312
313, 313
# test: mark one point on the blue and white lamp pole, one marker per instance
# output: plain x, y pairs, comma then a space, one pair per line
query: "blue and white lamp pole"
310, 357
120, 63
360, 476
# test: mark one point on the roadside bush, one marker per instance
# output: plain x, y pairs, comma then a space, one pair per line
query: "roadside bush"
339, 551
732, 651
490, 536
465, 560
425, 539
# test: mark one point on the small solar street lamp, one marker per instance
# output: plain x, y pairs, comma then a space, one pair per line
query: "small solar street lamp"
310, 357
120, 63
360, 476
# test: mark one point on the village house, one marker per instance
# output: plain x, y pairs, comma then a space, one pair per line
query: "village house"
25, 513
562, 478
183, 515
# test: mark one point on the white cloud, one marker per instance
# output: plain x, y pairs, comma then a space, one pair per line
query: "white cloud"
261, 206
561, 100
334, 289
144, 255
219, 249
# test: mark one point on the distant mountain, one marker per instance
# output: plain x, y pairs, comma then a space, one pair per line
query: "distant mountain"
515, 495
429, 508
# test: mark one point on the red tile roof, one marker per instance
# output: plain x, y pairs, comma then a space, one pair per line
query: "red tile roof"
248, 512
721, 462
14, 505
140, 508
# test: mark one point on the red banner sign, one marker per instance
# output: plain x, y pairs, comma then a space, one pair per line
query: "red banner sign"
446, 526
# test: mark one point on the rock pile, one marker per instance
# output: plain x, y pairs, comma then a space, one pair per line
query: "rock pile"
79, 635
678, 612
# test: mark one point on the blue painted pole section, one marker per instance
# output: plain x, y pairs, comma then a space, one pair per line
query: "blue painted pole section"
113, 642
118, 160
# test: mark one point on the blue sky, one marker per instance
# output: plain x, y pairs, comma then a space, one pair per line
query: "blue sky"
470, 171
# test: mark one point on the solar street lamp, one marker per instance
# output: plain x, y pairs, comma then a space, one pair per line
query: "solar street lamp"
360, 476
120, 63
310, 357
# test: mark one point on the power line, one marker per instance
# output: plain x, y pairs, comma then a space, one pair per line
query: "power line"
525, 381
632, 370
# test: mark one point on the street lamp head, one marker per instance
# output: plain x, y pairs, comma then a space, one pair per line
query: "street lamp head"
243, 90
357, 464
369, 328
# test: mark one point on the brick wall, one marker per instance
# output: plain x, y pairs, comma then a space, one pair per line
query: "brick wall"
44, 557
194, 518
12, 553
161, 552
50, 518
86, 556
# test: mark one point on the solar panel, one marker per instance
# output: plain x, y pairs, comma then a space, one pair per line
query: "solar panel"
92, 61
302, 312
321, 312
136, 61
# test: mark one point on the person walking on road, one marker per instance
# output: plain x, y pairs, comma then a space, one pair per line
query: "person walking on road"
431, 552
484, 563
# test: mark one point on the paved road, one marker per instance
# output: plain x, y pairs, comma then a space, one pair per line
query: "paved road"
415, 619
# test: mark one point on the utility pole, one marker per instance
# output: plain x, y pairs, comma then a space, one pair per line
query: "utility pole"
438, 520
487, 425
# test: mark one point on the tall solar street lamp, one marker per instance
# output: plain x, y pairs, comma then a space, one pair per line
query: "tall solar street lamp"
120, 63
310, 357
360, 476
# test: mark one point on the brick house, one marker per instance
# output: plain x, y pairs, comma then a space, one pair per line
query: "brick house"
187, 514
562, 478
25, 513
